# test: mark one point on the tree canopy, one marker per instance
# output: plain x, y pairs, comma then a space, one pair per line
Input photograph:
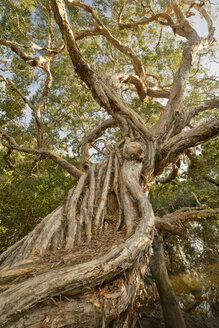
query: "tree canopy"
112, 100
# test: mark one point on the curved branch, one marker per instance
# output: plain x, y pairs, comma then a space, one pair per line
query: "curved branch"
195, 110
95, 134
147, 20
43, 152
137, 64
184, 140
98, 131
174, 223
211, 29
79, 35
141, 88
38, 61
172, 120
187, 214
7, 159
102, 90
211, 180
172, 175
13, 87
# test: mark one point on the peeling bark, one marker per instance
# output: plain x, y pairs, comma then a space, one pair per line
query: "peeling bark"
84, 264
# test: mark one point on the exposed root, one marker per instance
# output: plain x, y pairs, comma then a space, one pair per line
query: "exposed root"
71, 213
103, 197
108, 223
87, 211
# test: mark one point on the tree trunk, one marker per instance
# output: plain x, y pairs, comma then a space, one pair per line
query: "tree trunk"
84, 264
171, 311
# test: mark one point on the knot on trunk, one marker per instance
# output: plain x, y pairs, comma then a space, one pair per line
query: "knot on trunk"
133, 151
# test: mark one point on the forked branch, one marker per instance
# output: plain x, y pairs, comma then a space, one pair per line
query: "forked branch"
173, 119
102, 90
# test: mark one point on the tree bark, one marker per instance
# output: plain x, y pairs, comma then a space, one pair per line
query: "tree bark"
52, 271
84, 264
171, 311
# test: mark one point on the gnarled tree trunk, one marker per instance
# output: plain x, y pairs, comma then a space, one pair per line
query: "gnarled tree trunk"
84, 264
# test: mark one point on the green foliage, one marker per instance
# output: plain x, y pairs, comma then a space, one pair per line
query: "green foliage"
72, 113
25, 200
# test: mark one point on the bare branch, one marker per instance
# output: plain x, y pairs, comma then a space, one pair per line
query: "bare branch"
121, 11
174, 223
173, 118
171, 228
211, 180
195, 110
41, 104
141, 88
172, 175
100, 151
11, 84
35, 163
147, 20
102, 90
79, 35
211, 29
184, 140
196, 199
137, 64
98, 131
7, 159
38, 61
11, 144
95, 134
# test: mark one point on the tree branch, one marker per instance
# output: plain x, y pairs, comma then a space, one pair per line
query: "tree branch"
43, 152
137, 64
195, 110
98, 131
42, 101
172, 175
174, 223
172, 120
7, 159
141, 88
11, 84
211, 180
38, 61
102, 90
184, 140
95, 134
147, 20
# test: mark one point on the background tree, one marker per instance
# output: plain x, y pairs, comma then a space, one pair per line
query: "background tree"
88, 257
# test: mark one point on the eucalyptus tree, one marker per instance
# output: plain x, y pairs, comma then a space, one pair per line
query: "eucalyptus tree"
120, 74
